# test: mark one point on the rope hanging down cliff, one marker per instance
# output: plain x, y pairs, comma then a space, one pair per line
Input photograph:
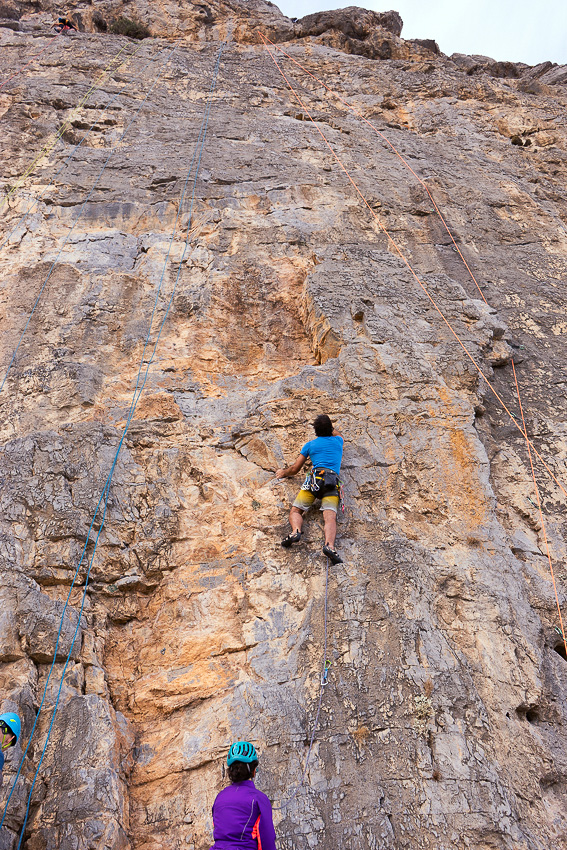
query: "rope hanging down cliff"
324, 683
66, 124
393, 149
80, 213
397, 153
422, 183
410, 268
33, 206
35, 56
140, 384
406, 262
418, 178
540, 510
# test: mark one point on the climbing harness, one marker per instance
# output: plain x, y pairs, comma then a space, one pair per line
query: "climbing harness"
107, 106
103, 499
78, 216
392, 242
408, 265
323, 683
256, 833
323, 481
66, 124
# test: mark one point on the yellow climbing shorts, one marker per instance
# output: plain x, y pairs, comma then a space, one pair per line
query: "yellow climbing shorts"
305, 499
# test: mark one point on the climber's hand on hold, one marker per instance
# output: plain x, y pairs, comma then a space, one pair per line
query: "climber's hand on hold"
292, 470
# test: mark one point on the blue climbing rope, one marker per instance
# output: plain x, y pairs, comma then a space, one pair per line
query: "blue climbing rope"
324, 683
99, 502
81, 210
35, 203
103, 499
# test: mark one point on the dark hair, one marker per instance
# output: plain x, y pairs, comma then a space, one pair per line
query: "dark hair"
238, 771
323, 426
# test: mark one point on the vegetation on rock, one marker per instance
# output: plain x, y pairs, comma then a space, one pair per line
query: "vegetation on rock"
130, 28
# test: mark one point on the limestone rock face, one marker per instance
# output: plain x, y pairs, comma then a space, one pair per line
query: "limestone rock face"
180, 622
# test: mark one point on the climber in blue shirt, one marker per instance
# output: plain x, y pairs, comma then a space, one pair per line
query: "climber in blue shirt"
325, 453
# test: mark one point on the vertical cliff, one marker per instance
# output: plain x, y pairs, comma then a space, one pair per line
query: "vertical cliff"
443, 721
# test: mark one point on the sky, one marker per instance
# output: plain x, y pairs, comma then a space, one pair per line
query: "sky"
529, 31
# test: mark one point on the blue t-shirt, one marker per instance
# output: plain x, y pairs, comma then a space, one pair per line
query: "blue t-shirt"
325, 451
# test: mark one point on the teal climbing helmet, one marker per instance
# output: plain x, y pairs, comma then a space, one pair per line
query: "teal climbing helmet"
12, 721
241, 751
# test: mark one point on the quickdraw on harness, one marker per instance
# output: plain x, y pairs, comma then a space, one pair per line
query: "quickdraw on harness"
323, 482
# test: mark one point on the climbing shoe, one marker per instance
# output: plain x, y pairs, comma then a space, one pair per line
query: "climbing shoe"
332, 555
288, 541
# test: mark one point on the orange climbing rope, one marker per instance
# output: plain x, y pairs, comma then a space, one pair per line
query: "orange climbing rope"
446, 226
540, 513
23, 68
431, 299
414, 274
394, 149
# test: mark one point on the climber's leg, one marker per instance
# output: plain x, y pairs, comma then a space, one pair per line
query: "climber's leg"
296, 519
330, 517
296, 522
329, 506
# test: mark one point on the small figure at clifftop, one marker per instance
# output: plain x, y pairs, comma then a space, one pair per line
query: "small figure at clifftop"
10, 728
242, 815
326, 453
63, 24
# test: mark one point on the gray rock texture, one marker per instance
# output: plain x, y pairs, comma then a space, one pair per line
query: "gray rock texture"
443, 721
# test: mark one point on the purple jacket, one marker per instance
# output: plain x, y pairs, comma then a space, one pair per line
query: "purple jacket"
242, 818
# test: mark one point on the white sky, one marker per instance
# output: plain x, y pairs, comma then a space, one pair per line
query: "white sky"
528, 31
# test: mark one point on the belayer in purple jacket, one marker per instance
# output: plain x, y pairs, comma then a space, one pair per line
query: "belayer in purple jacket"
242, 815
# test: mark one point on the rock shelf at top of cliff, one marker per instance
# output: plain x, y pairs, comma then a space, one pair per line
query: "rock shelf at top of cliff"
216, 223
352, 29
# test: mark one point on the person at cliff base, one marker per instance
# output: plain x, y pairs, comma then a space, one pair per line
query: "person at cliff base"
323, 482
10, 728
242, 815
